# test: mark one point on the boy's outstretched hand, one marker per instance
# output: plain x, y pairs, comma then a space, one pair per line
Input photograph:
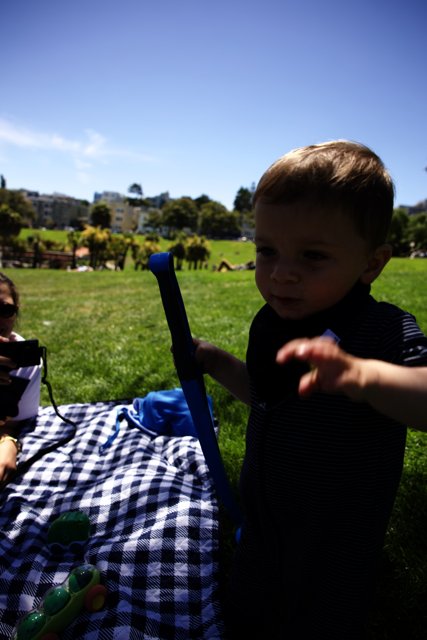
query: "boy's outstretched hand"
399, 392
333, 370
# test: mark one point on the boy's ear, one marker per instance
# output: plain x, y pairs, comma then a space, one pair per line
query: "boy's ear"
376, 263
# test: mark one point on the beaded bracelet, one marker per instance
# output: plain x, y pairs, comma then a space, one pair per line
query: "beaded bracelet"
12, 439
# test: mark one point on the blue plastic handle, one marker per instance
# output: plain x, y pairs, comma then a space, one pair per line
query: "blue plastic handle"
190, 376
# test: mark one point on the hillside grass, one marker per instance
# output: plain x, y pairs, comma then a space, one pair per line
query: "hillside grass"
107, 338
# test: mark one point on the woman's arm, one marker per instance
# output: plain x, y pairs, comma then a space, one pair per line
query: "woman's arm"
225, 368
8, 455
397, 391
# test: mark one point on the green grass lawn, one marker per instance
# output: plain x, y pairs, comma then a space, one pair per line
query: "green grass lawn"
107, 338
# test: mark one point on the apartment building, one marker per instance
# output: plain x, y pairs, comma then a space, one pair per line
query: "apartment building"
124, 217
57, 210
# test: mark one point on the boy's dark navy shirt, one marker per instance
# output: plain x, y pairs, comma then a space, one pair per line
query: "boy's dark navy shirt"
320, 475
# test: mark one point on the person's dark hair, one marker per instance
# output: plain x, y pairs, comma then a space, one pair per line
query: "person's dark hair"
11, 286
340, 174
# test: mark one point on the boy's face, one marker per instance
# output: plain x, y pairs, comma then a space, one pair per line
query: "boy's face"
307, 258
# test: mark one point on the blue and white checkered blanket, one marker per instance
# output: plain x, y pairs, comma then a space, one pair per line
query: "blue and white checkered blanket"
154, 528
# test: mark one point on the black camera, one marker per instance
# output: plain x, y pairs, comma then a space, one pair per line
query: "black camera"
10, 396
25, 353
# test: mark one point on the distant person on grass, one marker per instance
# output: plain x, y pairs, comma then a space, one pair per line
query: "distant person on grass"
29, 400
326, 434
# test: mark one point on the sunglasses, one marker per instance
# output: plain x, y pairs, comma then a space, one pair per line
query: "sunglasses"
8, 310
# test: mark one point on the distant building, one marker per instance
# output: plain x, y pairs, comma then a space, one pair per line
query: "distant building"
108, 197
124, 217
158, 201
420, 207
57, 210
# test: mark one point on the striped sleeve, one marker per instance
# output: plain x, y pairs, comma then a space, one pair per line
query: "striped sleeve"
400, 339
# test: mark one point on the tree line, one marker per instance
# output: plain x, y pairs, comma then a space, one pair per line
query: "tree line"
408, 233
201, 215
186, 222
105, 250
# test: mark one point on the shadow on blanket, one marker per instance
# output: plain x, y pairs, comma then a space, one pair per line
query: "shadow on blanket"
154, 527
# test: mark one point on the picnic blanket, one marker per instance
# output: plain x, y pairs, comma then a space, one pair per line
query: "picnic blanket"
154, 528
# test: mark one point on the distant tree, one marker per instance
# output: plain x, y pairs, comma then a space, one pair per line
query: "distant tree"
2, 182
78, 223
143, 253
18, 203
136, 188
198, 252
131, 241
153, 219
137, 200
417, 231
10, 226
118, 248
10, 222
201, 200
101, 215
73, 238
37, 245
134, 251
398, 234
152, 237
217, 222
96, 240
243, 200
178, 249
16, 247
180, 214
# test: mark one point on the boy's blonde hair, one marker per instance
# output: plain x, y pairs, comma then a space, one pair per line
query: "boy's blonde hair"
340, 174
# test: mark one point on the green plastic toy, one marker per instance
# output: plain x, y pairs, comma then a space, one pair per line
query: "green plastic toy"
62, 604
70, 531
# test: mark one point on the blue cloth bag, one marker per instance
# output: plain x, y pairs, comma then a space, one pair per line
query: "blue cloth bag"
159, 413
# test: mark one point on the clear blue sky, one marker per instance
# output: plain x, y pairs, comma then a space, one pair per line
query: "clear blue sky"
201, 96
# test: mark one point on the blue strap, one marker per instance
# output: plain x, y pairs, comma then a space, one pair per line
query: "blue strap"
110, 439
190, 376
